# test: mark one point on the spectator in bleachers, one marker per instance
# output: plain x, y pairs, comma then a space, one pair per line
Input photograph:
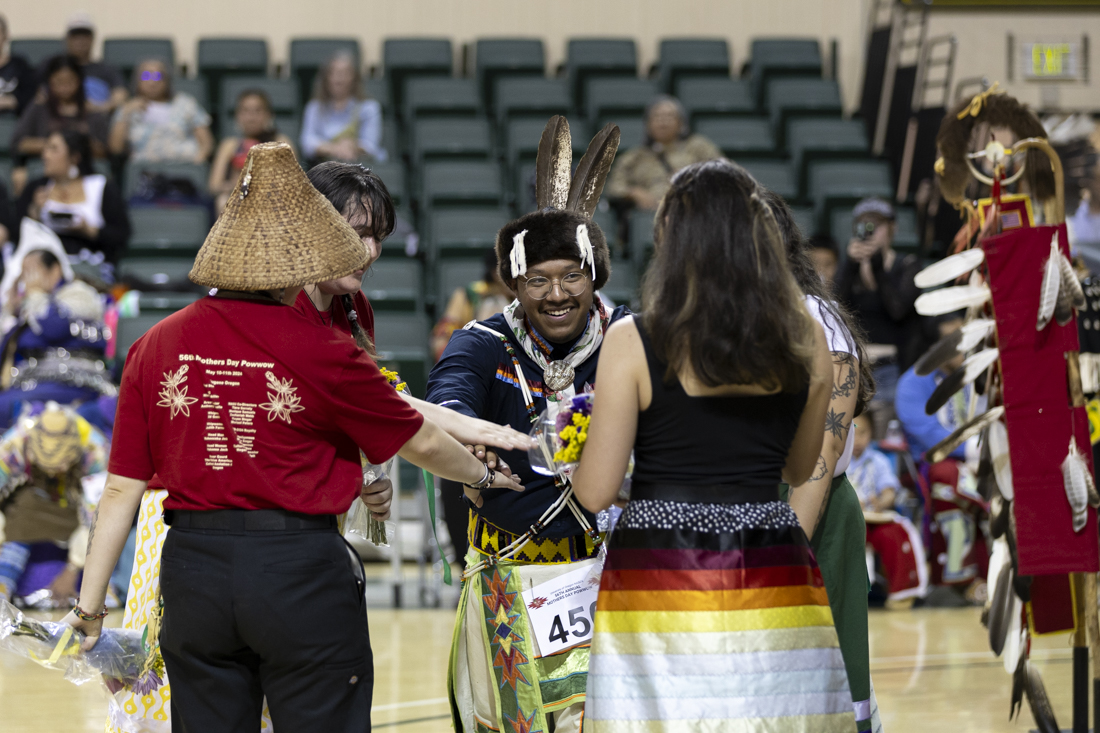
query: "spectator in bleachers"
64, 108
641, 176
478, 301
1084, 225
158, 123
104, 87
876, 284
256, 122
826, 257
340, 122
17, 78
83, 207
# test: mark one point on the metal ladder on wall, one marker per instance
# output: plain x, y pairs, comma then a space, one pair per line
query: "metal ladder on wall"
931, 99
908, 29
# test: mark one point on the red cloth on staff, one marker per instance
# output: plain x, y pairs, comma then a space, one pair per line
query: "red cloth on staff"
245, 404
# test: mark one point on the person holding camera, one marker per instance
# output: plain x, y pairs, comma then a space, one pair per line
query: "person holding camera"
876, 284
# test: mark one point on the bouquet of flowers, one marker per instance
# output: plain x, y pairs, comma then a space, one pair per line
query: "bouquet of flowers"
560, 438
120, 658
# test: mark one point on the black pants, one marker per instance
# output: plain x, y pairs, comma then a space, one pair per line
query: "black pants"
254, 613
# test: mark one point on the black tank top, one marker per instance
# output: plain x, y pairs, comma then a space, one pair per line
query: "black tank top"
696, 441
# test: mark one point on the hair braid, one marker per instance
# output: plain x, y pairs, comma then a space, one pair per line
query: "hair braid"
357, 331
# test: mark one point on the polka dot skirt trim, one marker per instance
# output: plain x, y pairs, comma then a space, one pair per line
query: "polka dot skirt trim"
650, 514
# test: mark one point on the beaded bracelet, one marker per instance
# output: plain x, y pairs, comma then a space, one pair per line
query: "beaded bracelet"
83, 616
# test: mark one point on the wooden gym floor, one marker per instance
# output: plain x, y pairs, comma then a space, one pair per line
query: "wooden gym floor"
932, 670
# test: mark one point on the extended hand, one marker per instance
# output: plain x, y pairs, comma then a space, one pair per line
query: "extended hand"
473, 431
377, 496
91, 629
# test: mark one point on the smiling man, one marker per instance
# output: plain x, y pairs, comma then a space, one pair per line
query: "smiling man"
506, 665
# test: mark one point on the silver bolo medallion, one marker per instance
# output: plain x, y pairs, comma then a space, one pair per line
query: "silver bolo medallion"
558, 376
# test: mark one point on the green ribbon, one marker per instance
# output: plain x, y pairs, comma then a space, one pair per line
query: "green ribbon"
429, 488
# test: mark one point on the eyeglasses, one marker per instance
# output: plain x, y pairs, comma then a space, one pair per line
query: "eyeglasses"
572, 283
151, 76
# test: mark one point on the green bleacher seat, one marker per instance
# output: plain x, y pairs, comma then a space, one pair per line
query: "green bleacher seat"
804, 218
906, 236
532, 97
440, 96
608, 221
390, 137
622, 287
308, 55
395, 284
739, 136
392, 173
523, 188
197, 87
454, 273
7, 127
612, 98
839, 183
640, 238
378, 89
691, 57
283, 93
36, 50
631, 131
131, 329
498, 57
126, 53
715, 96
461, 183
771, 57
810, 139
460, 231
774, 174
587, 57
170, 302
219, 57
197, 173
523, 135
801, 97
160, 228
36, 170
401, 340
451, 138
286, 124
157, 274
403, 58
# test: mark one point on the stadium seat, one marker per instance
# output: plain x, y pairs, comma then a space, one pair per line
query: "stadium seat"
394, 284
460, 231
170, 302
197, 173
160, 228
156, 274
588, 57
218, 57
804, 218
608, 221
283, 93
451, 138
7, 127
36, 50
406, 57
131, 329
440, 96
523, 188
531, 97
640, 238
197, 87
378, 89
691, 57
457, 272
392, 173
126, 53
461, 183
622, 287
613, 98
771, 57
401, 340
801, 97
498, 57
308, 55
631, 132
714, 96
810, 139
522, 139
774, 174
739, 136
838, 183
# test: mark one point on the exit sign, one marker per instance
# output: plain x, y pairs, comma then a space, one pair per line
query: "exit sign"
1050, 61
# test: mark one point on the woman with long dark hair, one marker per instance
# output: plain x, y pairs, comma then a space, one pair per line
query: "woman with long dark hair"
711, 605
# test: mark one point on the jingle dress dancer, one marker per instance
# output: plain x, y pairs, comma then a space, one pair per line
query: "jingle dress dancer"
254, 419
538, 354
712, 614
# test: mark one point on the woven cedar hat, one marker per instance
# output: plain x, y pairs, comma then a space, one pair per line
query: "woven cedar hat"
277, 231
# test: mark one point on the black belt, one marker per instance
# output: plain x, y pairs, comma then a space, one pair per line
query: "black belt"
709, 494
247, 520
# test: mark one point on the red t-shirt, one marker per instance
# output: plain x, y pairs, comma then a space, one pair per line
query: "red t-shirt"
242, 404
336, 317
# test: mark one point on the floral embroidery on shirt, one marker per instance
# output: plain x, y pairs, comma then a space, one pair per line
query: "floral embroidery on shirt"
284, 402
174, 395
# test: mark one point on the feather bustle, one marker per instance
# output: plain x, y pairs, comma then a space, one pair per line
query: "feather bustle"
945, 447
1070, 283
1048, 291
941, 352
1074, 477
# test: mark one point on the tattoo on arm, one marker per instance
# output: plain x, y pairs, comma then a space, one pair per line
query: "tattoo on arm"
834, 423
820, 469
91, 530
847, 378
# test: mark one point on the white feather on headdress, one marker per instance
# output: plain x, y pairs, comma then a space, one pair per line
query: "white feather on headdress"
584, 244
519, 255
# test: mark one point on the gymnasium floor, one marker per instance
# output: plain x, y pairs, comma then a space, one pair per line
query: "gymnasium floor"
932, 671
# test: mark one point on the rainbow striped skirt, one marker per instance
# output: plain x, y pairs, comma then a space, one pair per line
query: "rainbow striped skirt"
713, 617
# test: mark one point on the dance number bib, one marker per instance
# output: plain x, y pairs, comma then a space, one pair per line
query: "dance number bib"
562, 610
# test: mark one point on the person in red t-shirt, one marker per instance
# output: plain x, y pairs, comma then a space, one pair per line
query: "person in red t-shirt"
254, 418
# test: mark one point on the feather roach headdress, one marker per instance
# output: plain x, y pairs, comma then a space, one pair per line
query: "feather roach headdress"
562, 227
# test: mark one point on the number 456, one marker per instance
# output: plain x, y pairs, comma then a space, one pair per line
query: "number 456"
576, 616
